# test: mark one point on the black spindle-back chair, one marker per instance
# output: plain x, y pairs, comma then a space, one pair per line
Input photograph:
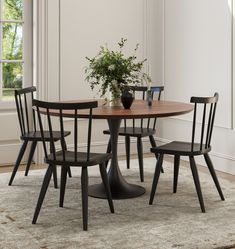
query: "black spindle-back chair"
60, 155
156, 92
28, 129
139, 128
191, 149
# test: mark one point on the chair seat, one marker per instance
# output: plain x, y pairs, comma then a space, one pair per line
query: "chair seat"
134, 132
36, 135
181, 148
95, 158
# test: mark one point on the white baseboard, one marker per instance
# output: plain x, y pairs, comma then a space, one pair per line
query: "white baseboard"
9, 153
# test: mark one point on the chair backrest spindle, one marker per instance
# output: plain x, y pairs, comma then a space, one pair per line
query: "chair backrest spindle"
22, 115
194, 125
212, 123
19, 114
26, 112
203, 126
208, 126
89, 135
133, 123
76, 133
34, 118
42, 132
52, 140
125, 124
62, 141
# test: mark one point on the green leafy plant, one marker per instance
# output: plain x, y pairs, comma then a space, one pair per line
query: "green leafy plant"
12, 46
114, 72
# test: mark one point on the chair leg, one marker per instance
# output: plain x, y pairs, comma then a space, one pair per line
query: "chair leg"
43, 191
54, 168
19, 158
155, 178
84, 182
69, 172
153, 144
55, 176
65, 147
197, 182
152, 141
176, 172
127, 142
63, 180
104, 177
109, 150
31, 153
213, 174
140, 156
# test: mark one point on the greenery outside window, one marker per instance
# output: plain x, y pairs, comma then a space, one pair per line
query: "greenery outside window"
11, 47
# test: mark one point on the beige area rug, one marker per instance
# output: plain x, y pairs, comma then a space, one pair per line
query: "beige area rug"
174, 221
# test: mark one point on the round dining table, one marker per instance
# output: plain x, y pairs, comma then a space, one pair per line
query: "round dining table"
120, 188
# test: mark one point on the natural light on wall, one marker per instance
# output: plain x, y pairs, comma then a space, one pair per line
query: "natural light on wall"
230, 4
11, 47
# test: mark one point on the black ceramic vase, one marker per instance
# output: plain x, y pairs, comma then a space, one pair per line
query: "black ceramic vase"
127, 99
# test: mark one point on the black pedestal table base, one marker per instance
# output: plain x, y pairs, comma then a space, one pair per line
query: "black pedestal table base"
120, 189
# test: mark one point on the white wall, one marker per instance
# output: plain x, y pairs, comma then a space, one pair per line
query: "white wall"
85, 25
72, 29
198, 61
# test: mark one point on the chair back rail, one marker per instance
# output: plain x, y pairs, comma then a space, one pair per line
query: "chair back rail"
60, 108
155, 91
23, 99
205, 137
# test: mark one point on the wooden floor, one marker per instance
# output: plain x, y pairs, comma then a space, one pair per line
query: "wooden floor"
8, 168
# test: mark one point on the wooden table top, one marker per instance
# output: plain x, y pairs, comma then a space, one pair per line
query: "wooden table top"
139, 109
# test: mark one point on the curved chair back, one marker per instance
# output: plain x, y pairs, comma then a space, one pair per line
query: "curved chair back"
205, 137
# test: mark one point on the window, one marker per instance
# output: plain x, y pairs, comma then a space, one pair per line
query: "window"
11, 47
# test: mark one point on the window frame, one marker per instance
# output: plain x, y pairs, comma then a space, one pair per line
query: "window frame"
27, 55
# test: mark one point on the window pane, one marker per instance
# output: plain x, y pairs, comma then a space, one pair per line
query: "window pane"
12, 41
12, 78
12, 9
